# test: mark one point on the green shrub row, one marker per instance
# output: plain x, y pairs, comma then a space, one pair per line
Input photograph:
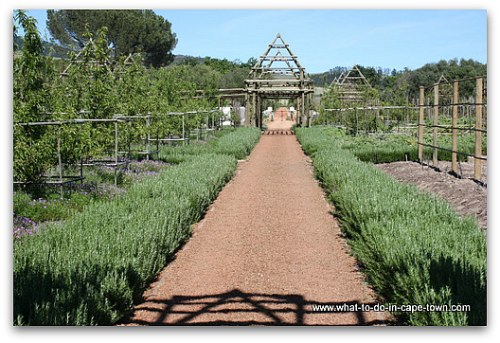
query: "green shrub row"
237, 143
90, 269
414, 249
386, 148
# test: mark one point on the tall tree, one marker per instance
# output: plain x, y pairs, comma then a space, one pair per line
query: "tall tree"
129, 31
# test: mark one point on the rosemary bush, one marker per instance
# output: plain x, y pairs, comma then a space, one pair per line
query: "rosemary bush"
414, 249
237, 143
90, 269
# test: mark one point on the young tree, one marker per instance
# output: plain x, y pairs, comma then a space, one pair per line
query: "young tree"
32, 145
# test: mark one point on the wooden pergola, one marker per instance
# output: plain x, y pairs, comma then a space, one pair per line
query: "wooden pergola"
350, 85
278, 74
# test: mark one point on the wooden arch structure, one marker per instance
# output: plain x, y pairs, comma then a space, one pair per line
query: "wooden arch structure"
277, 74
350, 85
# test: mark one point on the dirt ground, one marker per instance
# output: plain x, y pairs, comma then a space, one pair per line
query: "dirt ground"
467, 197
267, 252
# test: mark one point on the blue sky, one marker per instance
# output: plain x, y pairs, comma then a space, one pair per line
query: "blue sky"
323, 39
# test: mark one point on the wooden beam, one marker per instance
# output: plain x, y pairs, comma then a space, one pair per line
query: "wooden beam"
421, 124
454, 124
436, 122
479, 126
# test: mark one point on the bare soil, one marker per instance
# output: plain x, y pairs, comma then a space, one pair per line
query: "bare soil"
466, 197
267, 250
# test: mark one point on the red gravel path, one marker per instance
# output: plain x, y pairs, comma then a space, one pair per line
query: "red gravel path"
281, 114
266, 252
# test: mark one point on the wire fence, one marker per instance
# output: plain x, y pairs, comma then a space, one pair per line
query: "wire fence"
150, 137
448, 123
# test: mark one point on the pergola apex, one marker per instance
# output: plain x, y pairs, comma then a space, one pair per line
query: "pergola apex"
278, 74
350, 85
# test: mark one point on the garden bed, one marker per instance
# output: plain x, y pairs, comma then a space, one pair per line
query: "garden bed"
467, 197
89, 269
412, 246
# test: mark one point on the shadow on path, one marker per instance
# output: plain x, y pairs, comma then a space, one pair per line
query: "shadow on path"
239, 308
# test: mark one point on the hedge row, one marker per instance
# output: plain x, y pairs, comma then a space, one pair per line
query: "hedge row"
237, 143
92, 268
386, 148
413, 247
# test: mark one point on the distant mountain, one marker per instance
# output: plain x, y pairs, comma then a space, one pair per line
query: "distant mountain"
49, 48
326, 78
182, 59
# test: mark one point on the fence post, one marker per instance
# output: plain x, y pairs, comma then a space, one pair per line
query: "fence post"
183, 130
206, 131
454, 123
116, 152
59, 159
158, 141
421, 104
356, 118
479, 127
435, 129
148, 137
198, 127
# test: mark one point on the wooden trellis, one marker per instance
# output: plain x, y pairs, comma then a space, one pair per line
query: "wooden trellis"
118, 159
479, 107
351, 85
89, 46
278, 74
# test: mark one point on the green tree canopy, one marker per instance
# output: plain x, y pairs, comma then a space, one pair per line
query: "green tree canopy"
129, 31
452, 70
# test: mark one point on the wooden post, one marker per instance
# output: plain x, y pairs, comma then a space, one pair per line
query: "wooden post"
81, 170
247, 110
254, 105
116, 152
479, 127
300, 110
258, 113
261, 118
356, 119
183, 130
158, 141
299, 115
129, 150
147, 138
206, 127
303, 108
421, 104
197, 128
454, 123
59, 158
309, 106
435, 129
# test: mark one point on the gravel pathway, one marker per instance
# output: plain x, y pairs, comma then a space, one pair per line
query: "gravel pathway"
266, 253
